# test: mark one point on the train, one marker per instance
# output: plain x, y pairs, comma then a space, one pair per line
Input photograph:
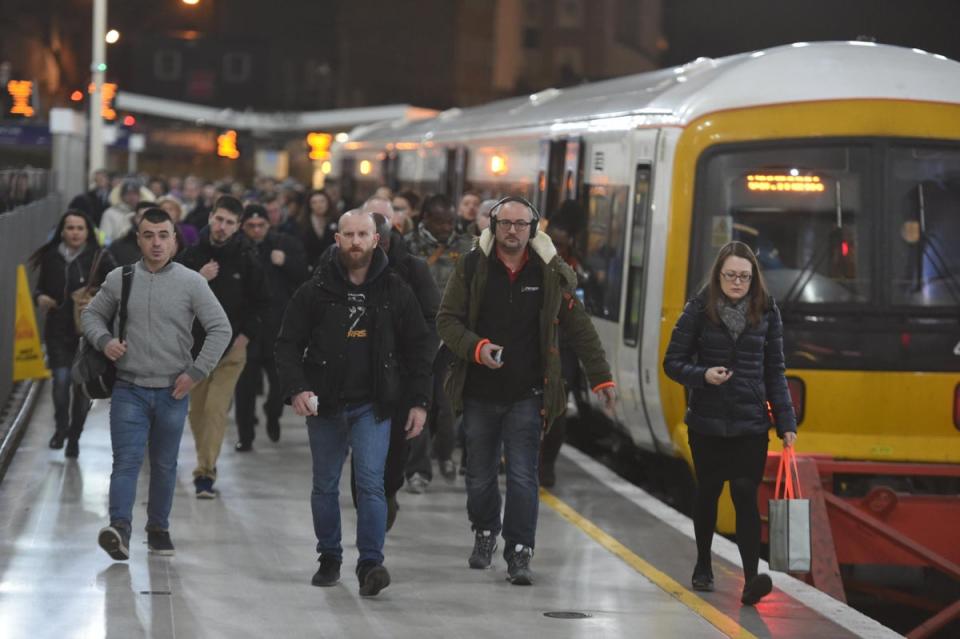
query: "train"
837, 162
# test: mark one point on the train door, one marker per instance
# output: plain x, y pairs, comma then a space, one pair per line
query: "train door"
632, 405
454, 173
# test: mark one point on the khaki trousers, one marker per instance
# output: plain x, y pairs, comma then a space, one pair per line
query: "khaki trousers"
209, 402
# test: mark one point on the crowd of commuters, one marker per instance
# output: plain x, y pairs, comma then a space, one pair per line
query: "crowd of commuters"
396, 329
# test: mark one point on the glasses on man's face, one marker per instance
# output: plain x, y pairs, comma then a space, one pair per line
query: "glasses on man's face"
736, 277
519, 225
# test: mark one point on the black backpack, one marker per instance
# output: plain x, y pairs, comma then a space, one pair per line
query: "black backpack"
92, 371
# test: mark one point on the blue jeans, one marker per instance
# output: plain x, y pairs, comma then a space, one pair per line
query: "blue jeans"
355, 427
139, 415
515, 427
69, 413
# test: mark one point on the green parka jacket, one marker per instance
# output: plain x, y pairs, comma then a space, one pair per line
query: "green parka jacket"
561, 311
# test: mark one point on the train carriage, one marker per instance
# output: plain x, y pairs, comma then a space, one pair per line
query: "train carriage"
839, 163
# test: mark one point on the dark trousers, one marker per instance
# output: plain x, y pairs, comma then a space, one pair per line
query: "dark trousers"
248, 386
70, 407
739, 460
439, 437
515, 429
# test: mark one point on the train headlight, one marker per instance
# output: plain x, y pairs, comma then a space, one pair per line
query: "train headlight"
798, 394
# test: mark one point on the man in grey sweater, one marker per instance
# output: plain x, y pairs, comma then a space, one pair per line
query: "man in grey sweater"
155, 373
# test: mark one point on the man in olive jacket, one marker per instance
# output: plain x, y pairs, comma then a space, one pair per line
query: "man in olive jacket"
500, 315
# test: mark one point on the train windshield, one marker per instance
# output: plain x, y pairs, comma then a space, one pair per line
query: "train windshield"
858, 242
804, 212
923, 191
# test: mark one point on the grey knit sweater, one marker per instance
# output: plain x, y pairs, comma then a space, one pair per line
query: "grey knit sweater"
160, 315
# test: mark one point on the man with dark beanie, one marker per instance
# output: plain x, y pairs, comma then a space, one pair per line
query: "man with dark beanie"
233, 271
285, 268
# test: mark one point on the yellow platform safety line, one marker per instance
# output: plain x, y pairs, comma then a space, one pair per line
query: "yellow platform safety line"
725, 624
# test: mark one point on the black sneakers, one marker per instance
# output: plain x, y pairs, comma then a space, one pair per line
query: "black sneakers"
373, 578
328, 573
518, 565
73, 449
115, 540
158, 542
243, 447
484, 545
204, 486
756, 589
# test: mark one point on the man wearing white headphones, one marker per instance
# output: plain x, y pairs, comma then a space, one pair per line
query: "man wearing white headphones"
500, 316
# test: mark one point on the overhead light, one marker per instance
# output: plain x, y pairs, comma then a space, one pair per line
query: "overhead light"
112, 36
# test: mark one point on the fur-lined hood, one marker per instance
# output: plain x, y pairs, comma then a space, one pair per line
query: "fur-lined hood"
541, 244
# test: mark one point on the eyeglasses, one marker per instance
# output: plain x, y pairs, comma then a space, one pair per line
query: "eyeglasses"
519, 225
737, 277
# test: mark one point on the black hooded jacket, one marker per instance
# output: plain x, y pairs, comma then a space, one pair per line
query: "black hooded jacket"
312, 347
240, 285
738, 406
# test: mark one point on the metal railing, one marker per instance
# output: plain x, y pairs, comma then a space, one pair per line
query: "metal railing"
22, 186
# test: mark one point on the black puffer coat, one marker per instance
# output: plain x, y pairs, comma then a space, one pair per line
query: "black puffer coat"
738, 406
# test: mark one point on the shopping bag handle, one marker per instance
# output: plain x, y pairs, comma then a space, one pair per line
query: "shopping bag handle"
791, 480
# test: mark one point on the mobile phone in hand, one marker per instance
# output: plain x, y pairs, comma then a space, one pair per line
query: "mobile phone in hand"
498, 356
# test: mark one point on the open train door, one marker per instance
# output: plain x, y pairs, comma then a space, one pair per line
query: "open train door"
635, 335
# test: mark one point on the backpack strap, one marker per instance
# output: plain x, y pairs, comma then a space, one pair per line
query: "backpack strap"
126, 285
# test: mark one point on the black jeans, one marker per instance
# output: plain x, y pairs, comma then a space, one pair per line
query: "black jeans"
70, 407
245, 394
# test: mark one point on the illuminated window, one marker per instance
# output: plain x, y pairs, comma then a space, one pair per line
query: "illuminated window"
366, 167
498, 165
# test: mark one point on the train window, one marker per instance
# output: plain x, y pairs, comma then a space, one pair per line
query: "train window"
606, 221
638, 250
802, 209
924, 194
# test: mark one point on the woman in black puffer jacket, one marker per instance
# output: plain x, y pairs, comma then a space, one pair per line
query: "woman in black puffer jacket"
727, 348
64, 264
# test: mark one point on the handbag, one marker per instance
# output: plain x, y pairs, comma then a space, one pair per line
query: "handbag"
92, 371
789, 519
82, 296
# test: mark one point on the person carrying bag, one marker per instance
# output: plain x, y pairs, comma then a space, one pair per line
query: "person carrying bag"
92, 371
82, 296
789, 519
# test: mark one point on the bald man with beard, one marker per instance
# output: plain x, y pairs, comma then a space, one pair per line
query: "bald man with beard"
354, 346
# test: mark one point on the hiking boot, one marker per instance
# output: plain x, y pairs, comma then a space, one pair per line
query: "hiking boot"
73, 449
204, 486
484, 545
158, 543
392, 507
417, 484
518, 565
273, 429
756, 589
372, 577
448, 470
115, 540
328, 573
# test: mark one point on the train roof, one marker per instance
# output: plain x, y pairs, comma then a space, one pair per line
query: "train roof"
798, 72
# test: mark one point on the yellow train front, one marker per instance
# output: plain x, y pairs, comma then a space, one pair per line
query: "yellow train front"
839, 163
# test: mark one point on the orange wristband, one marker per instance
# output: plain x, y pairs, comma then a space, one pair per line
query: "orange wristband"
476, 353
600, 387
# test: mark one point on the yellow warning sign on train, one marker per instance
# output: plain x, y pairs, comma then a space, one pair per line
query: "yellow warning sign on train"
27, 354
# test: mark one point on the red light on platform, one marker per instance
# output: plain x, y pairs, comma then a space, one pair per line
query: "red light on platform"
845, 248
76, 96
129, 120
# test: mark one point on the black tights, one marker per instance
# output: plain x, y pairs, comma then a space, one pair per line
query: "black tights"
744, 493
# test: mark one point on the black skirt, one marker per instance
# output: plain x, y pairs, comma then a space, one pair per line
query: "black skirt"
729, 458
